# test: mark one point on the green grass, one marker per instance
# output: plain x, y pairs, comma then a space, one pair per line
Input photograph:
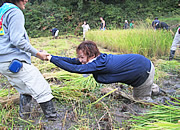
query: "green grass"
166, 68
9, 119
4, 92
169, 66
146, 42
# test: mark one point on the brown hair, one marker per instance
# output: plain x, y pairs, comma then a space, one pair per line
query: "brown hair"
89, 48
11, 1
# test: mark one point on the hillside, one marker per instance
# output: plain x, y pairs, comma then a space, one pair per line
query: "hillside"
68, 16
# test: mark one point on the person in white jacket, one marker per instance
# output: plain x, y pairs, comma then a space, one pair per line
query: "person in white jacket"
175, 43
85, 27
15, 46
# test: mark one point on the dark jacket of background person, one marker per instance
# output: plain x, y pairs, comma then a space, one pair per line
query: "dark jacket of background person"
155, 23
54, 31
131, 69
164, 25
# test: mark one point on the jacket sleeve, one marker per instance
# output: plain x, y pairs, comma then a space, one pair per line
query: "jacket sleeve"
18, 32
70, 65
69, 60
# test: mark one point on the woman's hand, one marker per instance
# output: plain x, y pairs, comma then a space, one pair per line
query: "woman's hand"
43, 55
49, 57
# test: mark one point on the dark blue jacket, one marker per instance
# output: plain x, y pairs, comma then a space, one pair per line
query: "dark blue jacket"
156, 23
131, 69
54, 31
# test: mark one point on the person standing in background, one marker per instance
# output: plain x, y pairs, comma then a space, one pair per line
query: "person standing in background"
155, 23
131, 25
125, 25
85, 27
103, 24
15, 49
175, 42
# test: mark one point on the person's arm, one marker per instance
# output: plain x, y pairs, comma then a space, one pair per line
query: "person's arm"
18, 33
74, 68
66, 59
88, 27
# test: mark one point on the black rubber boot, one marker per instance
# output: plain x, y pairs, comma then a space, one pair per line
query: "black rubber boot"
25, 106
172, 52
49, 110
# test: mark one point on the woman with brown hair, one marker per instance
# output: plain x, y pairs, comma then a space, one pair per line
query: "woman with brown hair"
132, 69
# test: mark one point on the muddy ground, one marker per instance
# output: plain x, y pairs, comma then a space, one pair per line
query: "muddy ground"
111, 112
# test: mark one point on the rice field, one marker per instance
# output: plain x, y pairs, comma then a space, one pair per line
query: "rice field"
147, 42
81, 98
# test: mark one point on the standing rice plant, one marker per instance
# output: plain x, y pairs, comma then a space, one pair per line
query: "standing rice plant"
147, 42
